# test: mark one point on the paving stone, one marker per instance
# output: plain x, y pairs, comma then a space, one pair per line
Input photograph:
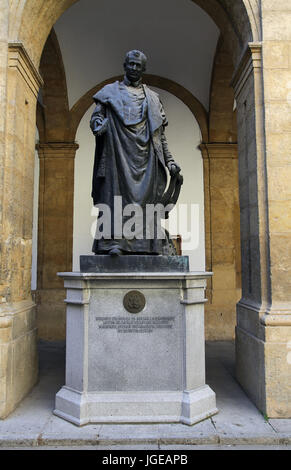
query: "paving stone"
88, 447
282, 426
129, 433
60, 432
238, 420
26, 422
171, 448
203, 432
226, 447
32, 425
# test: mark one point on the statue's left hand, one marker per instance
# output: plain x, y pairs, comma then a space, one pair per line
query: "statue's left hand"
174, 168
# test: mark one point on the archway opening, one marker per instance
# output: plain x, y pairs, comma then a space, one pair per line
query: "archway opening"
197, 68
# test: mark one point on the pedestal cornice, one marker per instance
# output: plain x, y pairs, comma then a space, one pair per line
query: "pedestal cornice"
96, 276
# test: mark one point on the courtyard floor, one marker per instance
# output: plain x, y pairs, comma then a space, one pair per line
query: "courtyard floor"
238, 425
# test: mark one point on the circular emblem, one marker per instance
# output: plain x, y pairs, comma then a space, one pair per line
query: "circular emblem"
134, 301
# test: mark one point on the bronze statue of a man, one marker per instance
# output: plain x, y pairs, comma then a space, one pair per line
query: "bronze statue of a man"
131, 157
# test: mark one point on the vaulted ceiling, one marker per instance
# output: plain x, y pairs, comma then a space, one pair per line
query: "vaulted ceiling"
178, 37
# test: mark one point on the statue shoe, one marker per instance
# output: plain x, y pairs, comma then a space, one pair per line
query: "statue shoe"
115, 251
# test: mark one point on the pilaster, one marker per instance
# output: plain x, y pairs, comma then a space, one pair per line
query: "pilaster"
17, 310
222, 237
263, 313
55, 233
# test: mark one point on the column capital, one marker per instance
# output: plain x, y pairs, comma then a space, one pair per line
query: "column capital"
219, 150
57, 149
19, 59
251, 60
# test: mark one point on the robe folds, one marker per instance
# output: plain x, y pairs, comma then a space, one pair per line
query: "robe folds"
131, 157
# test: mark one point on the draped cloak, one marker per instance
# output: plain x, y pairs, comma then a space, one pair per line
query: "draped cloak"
130, 159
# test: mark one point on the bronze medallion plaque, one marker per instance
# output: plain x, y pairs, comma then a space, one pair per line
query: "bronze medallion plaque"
134, 301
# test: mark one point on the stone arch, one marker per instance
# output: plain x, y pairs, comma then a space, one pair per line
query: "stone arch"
221, 201
54, 92
57, 125
220, 115
33, 21
222, 127
56, 122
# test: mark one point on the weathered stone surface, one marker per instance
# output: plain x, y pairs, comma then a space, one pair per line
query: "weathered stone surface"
19, 362
51, 314
266, 380
151, 364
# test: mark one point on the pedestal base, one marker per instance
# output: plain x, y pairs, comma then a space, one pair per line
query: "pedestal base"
135, 349
135, 407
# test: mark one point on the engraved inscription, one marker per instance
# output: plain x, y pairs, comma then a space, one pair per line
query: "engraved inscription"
134, 301
135, 324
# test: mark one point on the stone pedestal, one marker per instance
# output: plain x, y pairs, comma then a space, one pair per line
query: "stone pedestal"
135, 349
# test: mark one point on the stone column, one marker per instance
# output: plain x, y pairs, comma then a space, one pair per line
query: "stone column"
264, 312
18, 367
222, 238
55, 234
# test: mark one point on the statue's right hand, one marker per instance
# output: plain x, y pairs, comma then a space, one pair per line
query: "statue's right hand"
100, 128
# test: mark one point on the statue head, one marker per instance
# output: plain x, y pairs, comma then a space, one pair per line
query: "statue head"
134, 65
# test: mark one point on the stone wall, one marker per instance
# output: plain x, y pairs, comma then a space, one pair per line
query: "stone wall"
264, 315
17, 315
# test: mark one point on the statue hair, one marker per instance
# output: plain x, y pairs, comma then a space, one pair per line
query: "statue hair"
136, 53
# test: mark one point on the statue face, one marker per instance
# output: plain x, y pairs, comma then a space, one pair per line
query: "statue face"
134, 68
